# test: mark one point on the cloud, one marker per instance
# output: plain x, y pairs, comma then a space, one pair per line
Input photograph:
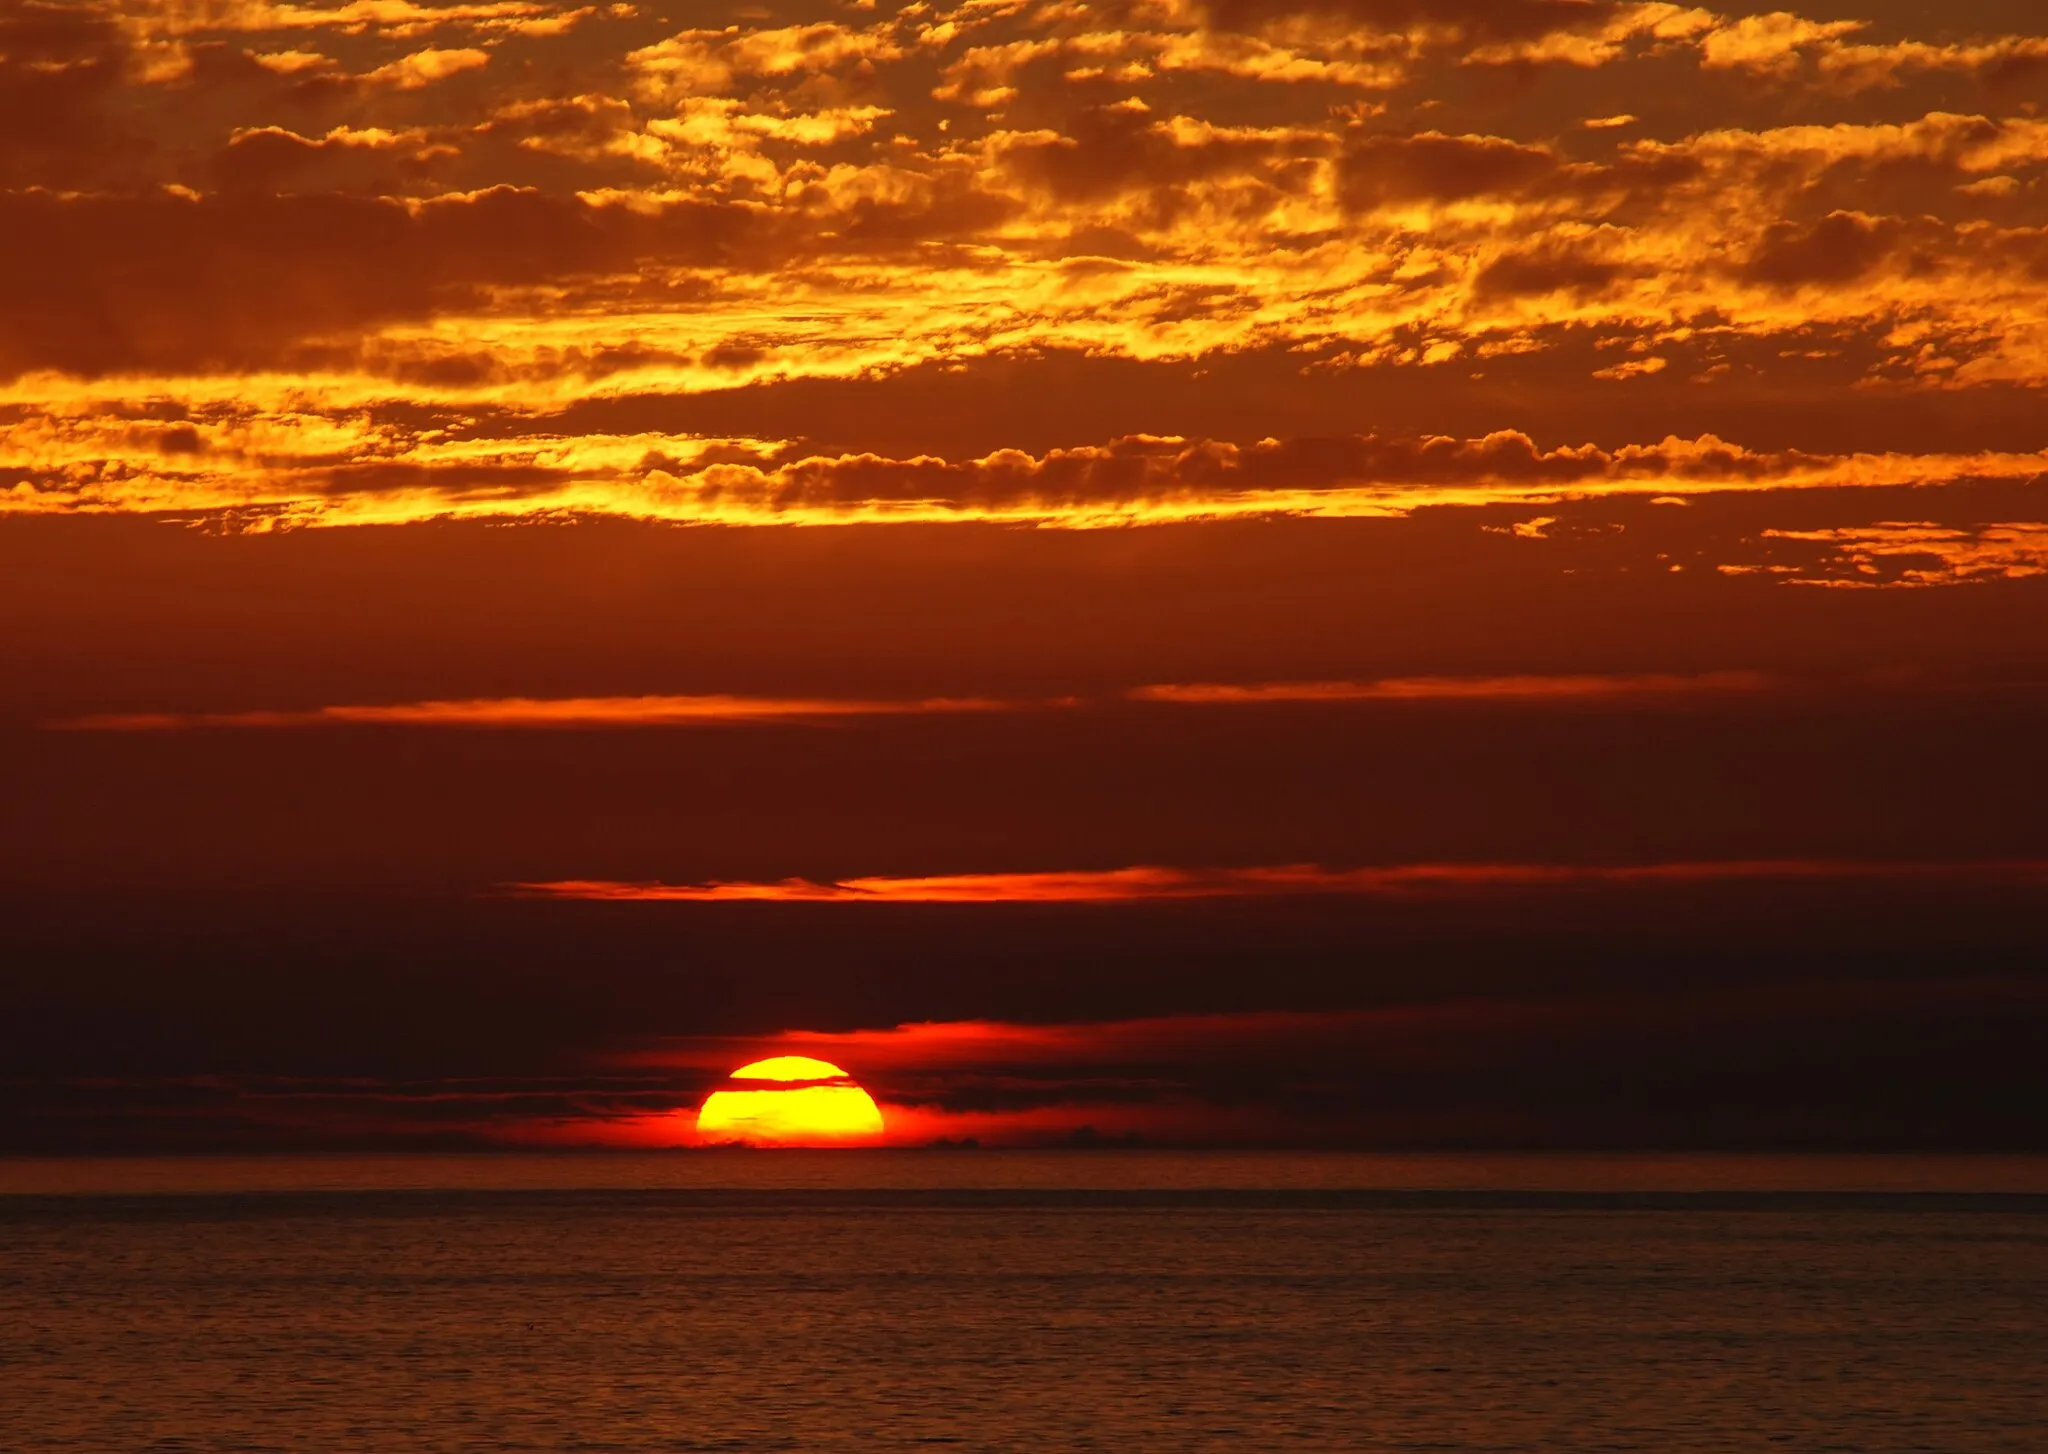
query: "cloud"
388, 17
581, 713
1115, 148
707, 61
610, 220
1391, 170
1553, 269
1768, 44
235, 282
1916, 553
1152, 883
1780, 45
61, 67
1485, 19
1410, 689
587, 713
1840, 248
314, 470
271, 156
205, 211
423, 68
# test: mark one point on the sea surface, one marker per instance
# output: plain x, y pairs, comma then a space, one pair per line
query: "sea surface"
1014, 1301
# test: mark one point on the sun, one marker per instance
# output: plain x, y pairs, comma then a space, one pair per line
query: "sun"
790, 1100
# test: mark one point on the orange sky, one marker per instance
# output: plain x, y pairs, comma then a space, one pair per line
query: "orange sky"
1152, 459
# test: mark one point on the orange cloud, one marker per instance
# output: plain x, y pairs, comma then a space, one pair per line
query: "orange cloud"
1768, 44
544, 712
389, 17
1155, 883
683, 711
244, 283
700, 61
1922, 553
306, 468
1453, 20
423, 68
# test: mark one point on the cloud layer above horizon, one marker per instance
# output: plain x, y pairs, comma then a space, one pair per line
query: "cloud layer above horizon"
278, 264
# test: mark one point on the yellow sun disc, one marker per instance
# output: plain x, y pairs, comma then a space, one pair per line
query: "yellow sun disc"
791, 1067
790, 1100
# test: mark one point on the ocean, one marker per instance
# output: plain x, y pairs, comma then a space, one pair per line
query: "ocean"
1024, 1301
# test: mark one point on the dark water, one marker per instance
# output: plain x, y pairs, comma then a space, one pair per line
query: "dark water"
1083, 1305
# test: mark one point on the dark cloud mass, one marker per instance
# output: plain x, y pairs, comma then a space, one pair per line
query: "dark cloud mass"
1378, 171
228, 282
1838, 249
59, 66
1486, 19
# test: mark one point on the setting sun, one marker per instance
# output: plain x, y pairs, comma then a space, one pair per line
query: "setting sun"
790, 1100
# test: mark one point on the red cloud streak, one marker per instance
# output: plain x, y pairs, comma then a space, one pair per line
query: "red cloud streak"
1155, 882
712, 708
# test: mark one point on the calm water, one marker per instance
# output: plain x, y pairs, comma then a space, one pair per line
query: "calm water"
767, 1302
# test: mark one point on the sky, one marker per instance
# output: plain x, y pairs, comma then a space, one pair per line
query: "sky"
1313, 572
